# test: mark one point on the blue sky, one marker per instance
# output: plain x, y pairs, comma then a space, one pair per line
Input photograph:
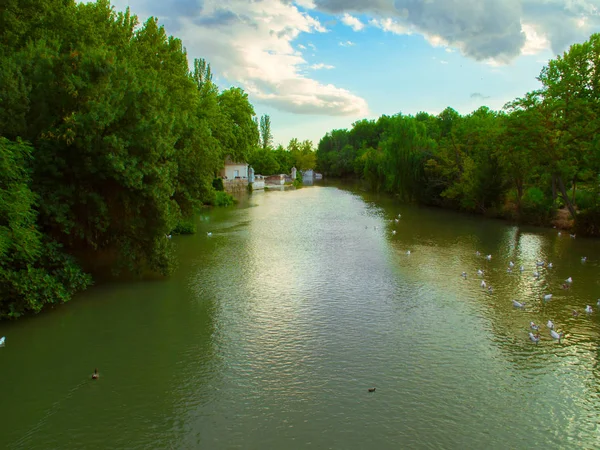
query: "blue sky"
316, 65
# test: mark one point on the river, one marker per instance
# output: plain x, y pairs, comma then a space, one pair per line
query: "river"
272, 330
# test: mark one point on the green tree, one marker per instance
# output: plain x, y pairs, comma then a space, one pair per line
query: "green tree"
266, 138
242, 133
33, 270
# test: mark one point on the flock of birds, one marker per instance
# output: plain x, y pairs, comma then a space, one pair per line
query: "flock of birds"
534, 334
534, 337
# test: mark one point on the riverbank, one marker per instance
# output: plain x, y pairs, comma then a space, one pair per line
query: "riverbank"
561, 219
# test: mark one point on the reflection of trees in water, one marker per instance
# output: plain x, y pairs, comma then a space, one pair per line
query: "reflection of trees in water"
443, 245
568, 369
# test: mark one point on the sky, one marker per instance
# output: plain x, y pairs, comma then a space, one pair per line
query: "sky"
318, 65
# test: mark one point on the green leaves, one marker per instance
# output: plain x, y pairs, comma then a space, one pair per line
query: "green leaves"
125, 142
33, 269
239, 134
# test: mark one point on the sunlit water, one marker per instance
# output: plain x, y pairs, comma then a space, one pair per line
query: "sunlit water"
273, 329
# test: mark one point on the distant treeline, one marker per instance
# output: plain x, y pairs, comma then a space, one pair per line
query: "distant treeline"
541, 153
107, 142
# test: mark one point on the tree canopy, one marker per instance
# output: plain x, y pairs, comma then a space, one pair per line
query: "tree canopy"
108, 140
539, 154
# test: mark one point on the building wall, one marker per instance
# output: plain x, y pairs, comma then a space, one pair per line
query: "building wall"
259, 182
235, 186
228, 172
275, 180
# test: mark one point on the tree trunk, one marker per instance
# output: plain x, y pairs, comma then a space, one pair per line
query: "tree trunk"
563, 191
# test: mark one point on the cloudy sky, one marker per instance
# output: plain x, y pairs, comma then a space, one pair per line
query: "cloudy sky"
316, 65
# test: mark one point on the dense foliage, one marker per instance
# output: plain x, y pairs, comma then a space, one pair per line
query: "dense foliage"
541, 153
108, 141
267, 160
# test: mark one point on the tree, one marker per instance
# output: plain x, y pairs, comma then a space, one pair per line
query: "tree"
571, 87
524, 138
264, 162
33, 270
265, 132
241, 132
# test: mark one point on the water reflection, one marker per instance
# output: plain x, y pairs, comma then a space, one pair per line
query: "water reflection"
275, 326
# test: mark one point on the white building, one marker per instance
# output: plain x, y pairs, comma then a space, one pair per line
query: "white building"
234, 170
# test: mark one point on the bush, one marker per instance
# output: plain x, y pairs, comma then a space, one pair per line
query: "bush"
588, 222
185, 226
536, 207
218, 184
585, 199
298, 181
224, 199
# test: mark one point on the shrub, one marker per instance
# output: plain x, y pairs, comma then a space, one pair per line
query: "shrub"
587, 222
585, 199
218, 184
224, 199
536, 207
185, 226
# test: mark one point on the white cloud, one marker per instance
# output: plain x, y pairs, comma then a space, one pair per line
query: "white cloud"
306, 4
436, 41
389, 25
481, 29
535, 42
251, 44
352, 22
347, 44
321, 66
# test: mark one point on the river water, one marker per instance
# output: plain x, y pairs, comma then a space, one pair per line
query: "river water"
272, 330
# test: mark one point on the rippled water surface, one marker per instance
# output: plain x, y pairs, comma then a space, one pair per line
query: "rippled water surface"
273, 329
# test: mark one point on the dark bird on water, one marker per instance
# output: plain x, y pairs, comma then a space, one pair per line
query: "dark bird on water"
95, 374
372, 389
